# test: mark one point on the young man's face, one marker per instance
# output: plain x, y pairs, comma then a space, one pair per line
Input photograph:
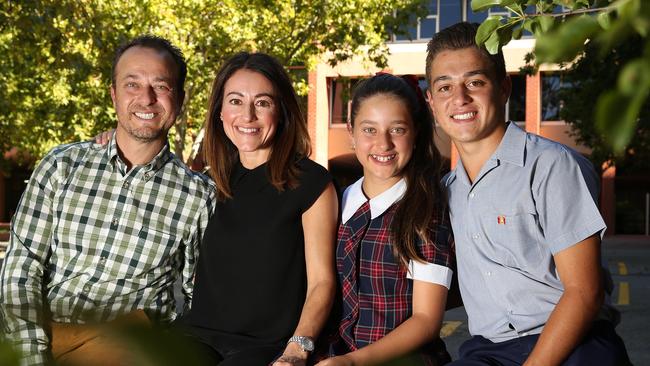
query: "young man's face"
144, 95
464, 96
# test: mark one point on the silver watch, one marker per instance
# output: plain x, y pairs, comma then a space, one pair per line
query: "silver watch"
306, 343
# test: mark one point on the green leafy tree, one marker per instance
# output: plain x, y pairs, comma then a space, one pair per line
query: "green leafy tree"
563, 28
56, 54
588, 80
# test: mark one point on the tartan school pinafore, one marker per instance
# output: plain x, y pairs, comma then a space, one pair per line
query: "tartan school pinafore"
376, 291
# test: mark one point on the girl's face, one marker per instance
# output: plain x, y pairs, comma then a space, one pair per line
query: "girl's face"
383, 135
250, 115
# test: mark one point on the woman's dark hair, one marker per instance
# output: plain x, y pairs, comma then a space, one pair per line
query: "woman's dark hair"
419, 210
291, 140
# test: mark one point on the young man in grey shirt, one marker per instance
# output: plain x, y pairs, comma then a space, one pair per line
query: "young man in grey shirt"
525, 220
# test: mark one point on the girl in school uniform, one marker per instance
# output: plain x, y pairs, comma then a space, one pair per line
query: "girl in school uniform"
395, 251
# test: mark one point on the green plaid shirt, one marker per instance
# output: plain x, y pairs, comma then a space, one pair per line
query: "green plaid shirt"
91, 241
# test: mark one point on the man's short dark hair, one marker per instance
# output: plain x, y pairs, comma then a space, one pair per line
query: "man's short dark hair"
457, 37
159, 44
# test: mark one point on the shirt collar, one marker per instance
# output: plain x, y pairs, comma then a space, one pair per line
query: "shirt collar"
512, 148
156, 163
353, 198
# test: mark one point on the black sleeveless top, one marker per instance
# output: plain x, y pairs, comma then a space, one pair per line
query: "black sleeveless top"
251, 279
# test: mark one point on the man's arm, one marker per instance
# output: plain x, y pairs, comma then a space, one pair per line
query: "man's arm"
579, 269
21, 286
192, 248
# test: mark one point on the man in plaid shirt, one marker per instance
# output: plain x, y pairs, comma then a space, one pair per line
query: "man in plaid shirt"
103, 231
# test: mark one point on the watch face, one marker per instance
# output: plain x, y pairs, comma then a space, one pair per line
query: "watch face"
306, 343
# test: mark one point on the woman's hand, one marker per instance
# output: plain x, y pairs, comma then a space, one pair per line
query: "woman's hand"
293, 356
104, 138
337, 361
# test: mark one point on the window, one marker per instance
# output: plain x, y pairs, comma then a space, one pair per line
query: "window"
340, 98
471, 16
552, 84
451, 12
426, 27
516, 108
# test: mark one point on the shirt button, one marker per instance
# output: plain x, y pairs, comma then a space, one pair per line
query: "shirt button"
471, 195
475, 236
488, 273
147, 176
102, 259
115, 222
125, 185
87, 288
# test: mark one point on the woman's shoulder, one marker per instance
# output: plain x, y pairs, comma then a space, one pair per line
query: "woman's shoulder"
311, 171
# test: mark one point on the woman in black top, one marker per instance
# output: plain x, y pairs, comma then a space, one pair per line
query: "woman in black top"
266, 268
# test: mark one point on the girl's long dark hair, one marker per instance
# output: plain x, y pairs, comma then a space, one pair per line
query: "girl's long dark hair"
420, 209
291, 140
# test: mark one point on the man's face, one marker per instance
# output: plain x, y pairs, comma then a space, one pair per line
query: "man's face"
144, 94
464, 97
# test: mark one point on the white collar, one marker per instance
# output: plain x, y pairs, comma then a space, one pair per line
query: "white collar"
353, 198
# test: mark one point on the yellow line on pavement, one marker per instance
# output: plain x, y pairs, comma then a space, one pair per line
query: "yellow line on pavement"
623, 293
622, 269
448, 328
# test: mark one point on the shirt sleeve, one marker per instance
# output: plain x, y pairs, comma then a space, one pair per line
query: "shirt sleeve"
21, 286
439, 255
566, 200
192, 248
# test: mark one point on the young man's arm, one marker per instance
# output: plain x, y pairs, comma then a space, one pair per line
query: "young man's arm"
21, 286
567, 192
579, 269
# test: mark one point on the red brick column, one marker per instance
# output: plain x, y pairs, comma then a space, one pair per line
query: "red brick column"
311, 109
533, 103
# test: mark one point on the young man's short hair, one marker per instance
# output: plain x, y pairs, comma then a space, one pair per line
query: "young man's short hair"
459, 36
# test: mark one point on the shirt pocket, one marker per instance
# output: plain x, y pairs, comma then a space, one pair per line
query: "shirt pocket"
513, 237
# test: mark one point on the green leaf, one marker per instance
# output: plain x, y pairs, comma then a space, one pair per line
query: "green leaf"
480, 5
487, 28
566, 41
546, 22
530, 24
628, 9
634, 77
492, 43
517, 32
617, 117
505, 34
605, 20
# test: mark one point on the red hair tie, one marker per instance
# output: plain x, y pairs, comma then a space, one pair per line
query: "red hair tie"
414, 82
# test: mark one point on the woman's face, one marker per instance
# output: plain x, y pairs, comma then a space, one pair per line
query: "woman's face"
249, 113
383, 136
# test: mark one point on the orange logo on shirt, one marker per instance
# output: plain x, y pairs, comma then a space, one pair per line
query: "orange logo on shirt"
501, 220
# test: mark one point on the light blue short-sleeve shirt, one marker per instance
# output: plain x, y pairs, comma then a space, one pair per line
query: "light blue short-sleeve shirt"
533, 198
